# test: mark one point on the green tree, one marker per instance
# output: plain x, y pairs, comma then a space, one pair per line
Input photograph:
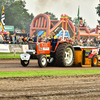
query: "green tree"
52, 16
70, 18
16, 14
75, 21
98, 12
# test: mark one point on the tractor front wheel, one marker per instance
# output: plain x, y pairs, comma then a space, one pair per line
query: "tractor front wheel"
42, 61
24, 63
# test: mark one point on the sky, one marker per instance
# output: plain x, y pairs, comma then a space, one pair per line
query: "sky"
69, 7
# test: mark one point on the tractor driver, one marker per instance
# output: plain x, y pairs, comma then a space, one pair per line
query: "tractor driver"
54, 35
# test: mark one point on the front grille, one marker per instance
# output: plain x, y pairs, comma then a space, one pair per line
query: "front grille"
30, 53
32, 46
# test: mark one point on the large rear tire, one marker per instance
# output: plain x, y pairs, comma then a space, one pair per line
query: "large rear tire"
65, 55
24, 63
42, 61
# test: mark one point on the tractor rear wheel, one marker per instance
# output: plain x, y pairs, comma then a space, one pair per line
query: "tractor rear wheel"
65, 55
42, 61
94, 60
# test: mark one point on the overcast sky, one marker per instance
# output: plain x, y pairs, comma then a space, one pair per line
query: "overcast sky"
69, 7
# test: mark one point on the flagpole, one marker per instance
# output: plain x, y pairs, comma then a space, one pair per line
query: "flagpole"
3, 20
78, 22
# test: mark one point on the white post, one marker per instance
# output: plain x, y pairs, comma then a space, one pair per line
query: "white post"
14, 52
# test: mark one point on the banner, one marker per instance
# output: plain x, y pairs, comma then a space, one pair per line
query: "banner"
25, 47
4, 48
15, 48
9, 28
11, 48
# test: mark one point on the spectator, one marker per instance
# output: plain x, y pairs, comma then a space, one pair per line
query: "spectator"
24, 39
91, 44
33, 37
95, 39
14, 38
79, 43
27, 38
17, 39
48, 38
71, 40
40, 39
44, 38
88, 41
76, 42
8, 38
92, 39
20, 40
81, 40
85, 42
31, 40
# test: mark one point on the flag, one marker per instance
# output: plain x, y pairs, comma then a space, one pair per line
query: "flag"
3, 20
78, 21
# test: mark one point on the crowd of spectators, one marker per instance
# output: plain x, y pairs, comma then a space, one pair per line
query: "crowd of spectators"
16, 39
93, 41
13, 39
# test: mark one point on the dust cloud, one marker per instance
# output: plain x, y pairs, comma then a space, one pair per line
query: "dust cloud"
69, 7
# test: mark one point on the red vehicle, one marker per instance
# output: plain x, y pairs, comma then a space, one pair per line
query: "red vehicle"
54, 52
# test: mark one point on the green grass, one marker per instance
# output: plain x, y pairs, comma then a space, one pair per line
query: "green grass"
49, 73
9, 56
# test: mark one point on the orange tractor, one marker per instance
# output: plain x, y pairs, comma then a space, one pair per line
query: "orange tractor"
54, 52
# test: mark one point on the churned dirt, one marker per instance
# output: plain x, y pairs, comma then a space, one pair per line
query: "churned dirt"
47, 87
51, 88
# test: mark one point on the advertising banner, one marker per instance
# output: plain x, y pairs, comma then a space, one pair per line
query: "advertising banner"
15, 48
8, 28
4, 48
11, 48
25, 47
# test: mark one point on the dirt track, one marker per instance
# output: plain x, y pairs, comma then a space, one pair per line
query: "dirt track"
47, 88
51, 88
14, 65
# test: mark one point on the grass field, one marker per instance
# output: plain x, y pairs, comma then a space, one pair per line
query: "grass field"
49, 73
9, 56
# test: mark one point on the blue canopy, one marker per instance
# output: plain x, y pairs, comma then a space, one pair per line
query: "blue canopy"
40, 33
